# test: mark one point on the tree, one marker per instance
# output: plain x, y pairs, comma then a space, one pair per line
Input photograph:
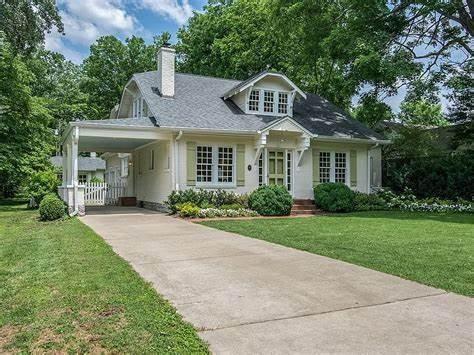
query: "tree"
25, 22
328, 47
25, 140
108, 68
461, 83
422, 112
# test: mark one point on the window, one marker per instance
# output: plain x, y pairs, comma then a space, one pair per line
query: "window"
260, 169
254, 100
124, 166
82, 178
204, 164
324, 167
139, 108
225, 165
289, 162
283, 102
268, 101
340, 167
151, 165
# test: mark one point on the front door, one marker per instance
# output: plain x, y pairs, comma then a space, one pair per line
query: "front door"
276, 167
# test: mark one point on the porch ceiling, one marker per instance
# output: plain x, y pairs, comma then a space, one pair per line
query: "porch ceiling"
109, 144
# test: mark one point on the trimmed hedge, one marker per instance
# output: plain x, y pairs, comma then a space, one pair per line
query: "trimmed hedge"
271, 200
51, 208
447, 177
334, 197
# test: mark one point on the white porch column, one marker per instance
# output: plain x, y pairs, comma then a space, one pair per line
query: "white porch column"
64, 164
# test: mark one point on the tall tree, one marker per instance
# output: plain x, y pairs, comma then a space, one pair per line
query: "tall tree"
25, 139
328, 47
25, 22
108, 68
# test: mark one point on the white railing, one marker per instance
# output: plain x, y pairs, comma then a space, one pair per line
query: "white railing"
95, 193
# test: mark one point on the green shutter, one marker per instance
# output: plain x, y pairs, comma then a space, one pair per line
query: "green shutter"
191, 164
315, 167
240, 164
353, 168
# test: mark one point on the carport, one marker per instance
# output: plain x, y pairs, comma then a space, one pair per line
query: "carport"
119, 136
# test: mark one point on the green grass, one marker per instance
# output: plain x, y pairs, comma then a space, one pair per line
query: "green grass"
433, 249
62, 288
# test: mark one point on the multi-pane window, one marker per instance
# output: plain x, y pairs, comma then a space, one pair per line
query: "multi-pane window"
260, 170
324, 167
283, 102
82, 178
204, 164
268, 101
289, 162
254, 100
340, 167
139, 108
225, 165
124, 167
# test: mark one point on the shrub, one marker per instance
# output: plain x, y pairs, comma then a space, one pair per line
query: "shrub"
369, 202
204, 198
408, 202
334, 197
96, 180
271, 200
51, 208
188, 209
216, 212
233, 206
42, 183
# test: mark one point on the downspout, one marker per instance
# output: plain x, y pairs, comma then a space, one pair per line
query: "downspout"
368, 166
176, 159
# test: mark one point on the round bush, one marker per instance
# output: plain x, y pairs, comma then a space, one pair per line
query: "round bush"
51, 208
271, 200
334, 197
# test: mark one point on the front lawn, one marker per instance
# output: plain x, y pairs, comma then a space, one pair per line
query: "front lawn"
63, 289
434, 249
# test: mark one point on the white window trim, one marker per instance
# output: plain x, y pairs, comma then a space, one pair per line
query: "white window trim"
215, 167
276, 98
332, 159
138, 105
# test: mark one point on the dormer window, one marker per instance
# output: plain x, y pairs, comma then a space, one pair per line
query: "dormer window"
283, 102
254, 100
269, 102
139, 108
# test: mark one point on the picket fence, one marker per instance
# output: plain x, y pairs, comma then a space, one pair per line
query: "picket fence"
101, 193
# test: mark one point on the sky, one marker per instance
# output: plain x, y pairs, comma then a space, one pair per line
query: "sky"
86, 20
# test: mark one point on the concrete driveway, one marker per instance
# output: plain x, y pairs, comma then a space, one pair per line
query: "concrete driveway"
247, 296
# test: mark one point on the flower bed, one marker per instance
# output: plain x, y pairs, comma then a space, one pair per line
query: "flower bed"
408, 202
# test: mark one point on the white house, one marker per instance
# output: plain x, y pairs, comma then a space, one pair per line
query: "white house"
189, 131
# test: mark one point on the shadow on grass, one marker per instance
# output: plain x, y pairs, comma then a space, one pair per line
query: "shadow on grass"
463, 218
12, 204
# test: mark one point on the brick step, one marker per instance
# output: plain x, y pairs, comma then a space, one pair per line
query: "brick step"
304, 212
304, 207
303, 202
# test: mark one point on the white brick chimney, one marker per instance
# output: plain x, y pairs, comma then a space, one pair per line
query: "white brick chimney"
165, 60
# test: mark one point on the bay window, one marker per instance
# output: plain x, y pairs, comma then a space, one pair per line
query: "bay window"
215, 164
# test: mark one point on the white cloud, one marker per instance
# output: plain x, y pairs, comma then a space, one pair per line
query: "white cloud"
178, 11
85, 21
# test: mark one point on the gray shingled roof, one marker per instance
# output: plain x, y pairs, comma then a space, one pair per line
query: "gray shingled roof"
84, 163
198, 104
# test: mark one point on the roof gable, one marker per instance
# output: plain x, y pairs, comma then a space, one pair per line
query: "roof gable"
256, 78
